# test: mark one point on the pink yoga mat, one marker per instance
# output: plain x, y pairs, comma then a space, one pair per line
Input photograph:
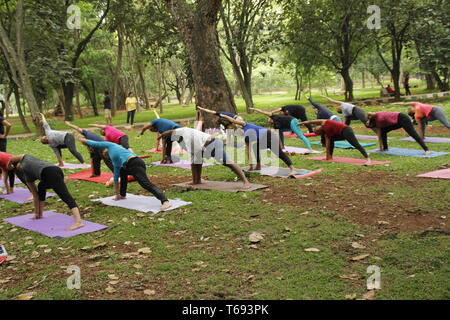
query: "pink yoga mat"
359, 162
184, 164
54, 225
20, 195
439, 174
293, 135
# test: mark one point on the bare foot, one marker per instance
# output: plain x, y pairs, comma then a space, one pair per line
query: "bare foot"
166, 205
118, 198
75, 226
246, 186
84, 165
427, 153
109, 183
29, 199
368, 162
37, 217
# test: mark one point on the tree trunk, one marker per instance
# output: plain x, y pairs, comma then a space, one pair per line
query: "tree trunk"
69, 91
197, 28
116, 103
189, 97
363, 78
430, 82
345, 73
77, 99
19, 108
94, 98
443, 85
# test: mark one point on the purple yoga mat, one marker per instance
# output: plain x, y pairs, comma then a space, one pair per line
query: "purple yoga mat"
54, 225
429, 140
184, 164
16, 181
299, 150
20, 195
365, 137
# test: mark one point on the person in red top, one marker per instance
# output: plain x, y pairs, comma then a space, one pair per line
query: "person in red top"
386, 121
423, 113
112, 134
332, 131
4, 161
390, 91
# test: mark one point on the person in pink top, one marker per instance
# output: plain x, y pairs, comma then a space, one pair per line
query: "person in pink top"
386, 121
423, 113
112, 134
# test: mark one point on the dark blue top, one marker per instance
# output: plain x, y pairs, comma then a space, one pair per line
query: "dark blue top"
253, 132
223, 113
323, 112
163, 125
91, 136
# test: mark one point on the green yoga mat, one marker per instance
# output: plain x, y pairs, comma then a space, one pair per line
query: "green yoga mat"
345, 144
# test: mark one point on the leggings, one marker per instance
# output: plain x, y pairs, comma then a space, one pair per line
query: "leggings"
436, 114
123, 141
405, 123
53, 178
303, 117
215, 149
136, 167
97, 156
69, 143
167, 141
259, 145
3, 143
130, 116
358, 114
349, 135
323, 112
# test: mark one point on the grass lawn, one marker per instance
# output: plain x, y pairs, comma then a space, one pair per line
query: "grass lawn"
202, 251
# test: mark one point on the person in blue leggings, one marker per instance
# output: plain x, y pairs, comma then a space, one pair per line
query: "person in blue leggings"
285, 124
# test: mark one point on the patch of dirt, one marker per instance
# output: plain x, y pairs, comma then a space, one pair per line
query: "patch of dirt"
352, 200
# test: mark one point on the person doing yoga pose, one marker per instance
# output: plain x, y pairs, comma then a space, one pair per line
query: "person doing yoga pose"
30, 169
386, 121
323, 112
112, 134
332, 131
8, 176
296, 111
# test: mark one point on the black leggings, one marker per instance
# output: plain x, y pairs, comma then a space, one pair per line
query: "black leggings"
69, 143
123, 141
130, 116
258, 146
349, 135
405, 123
53, 178
3, 143
97, 156
167, 144
136, 167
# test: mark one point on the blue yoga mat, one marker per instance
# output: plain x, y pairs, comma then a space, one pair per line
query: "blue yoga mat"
345, 144
409, 153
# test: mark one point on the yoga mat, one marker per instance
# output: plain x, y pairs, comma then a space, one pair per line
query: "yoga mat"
365, 137
299, 150
429, 140
284, 172
176, 149
86, 176
75, 166
16, 181
141, 203
293, 135
358, 162
54, 225
21, 195
220, 186
409, 153
345, 144
184, 164
439, 174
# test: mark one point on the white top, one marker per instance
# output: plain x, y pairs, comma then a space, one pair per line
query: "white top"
347, 109
193, 140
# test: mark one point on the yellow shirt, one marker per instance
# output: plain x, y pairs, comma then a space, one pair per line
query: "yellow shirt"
131, 103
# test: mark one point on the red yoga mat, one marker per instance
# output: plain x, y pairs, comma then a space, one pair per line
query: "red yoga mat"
358, 162
86, 176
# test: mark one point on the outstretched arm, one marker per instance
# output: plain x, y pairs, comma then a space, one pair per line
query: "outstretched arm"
238, 122
318, 122
74, 127
156, 113
206, 110
276, 111
145, 128
403, 103
96, 125
333, 101
269, 114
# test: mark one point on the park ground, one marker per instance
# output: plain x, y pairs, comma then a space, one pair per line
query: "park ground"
355, 216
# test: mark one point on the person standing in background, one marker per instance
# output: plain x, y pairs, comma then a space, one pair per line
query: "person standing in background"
5, 127
131, 103
107, 106
406, 84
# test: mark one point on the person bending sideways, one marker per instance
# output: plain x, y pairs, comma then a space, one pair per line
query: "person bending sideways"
8, 176
333, 131
424, 113
349, 111
201, 146
386, 121
112, 134
30, 169
160, 126
296, 111
5, 128
58, 140
259, 138
97, 154
285, 124
323, 112
126, 163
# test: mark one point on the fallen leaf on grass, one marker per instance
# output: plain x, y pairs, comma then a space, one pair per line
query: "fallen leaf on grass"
357, 245
312, 250
149, 292
255, 237
110, 290
26, 296
369, 295
353, 276
360, 257
144, 250
113, 282
351, 296
113, 277
100, 245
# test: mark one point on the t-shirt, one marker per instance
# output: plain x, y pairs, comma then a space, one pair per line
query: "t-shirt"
118, 155
294, 110
113, 134
390, 90
347, 109
253, 132
385, 119
193, 140
333, 128
4, 159
282, 122
224, 113
107, 102
2, 127
131, 103
422, 110
55, 138
32, 169
163, 125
